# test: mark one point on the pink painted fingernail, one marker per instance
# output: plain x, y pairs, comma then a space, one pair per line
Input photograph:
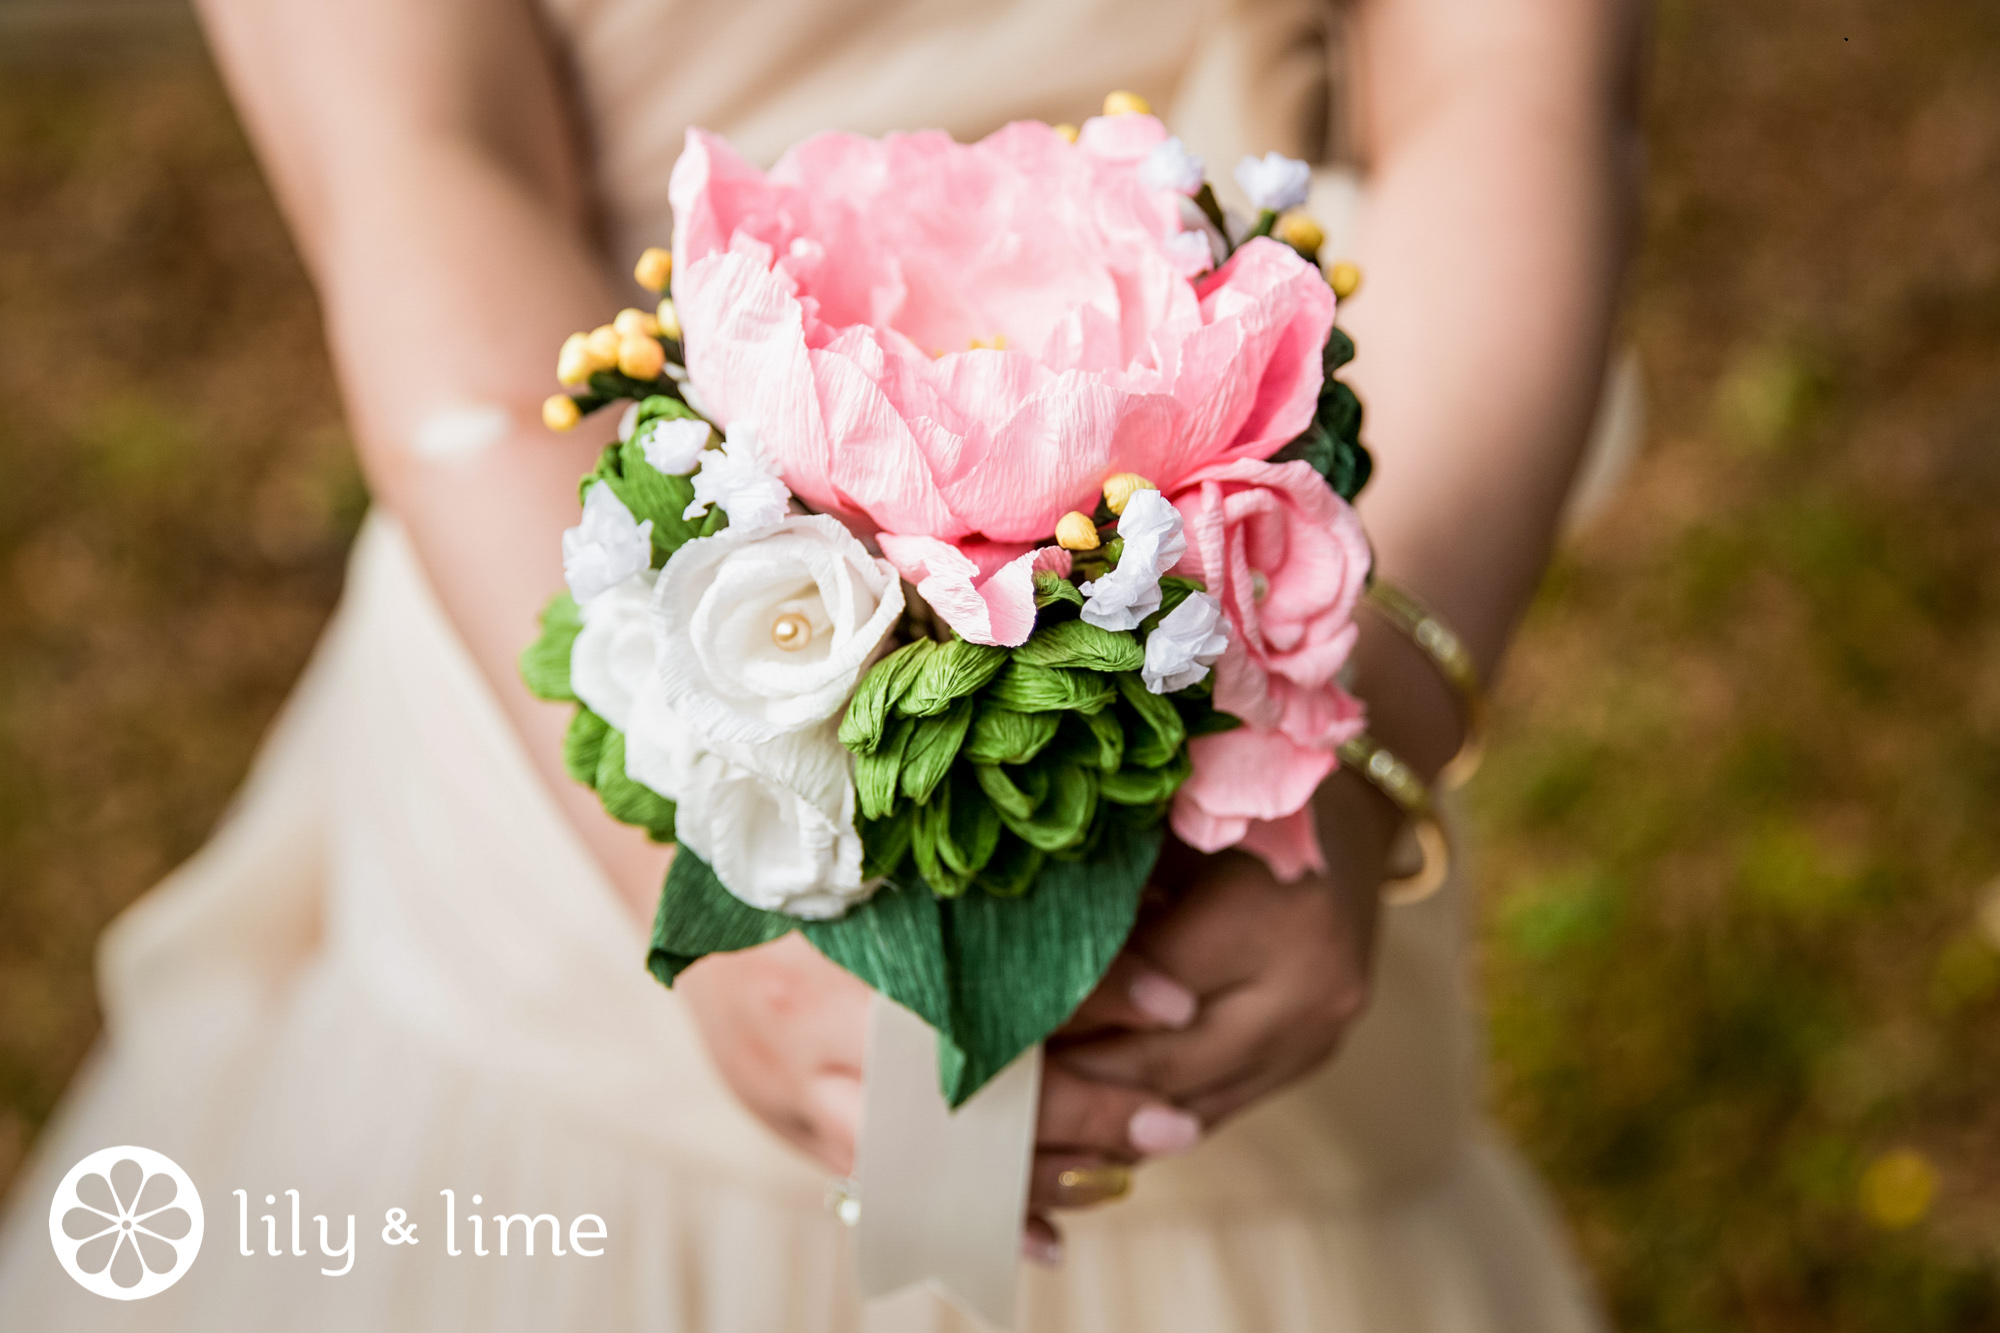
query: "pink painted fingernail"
1164, 999
1161, 1131
1043, 1251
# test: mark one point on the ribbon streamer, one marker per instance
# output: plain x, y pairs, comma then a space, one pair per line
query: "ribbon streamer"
943, 1193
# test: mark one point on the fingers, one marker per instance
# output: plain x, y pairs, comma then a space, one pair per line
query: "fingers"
1133, 994
1087, 1118
1262, 1036
832, 1114
1041, 1242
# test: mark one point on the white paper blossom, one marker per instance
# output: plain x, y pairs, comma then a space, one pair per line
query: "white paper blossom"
1274, 182
612, 659
1150, 527
1188, 641
763, 632
784, 840
674, 446
1170, 166
605, 549
628, 421
740, 479
1190, 253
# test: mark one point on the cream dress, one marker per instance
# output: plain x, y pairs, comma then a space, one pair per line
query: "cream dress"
395, 971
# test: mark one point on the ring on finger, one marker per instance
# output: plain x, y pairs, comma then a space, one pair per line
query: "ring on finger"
1082, 1186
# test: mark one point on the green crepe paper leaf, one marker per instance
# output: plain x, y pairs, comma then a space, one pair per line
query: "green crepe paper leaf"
1338, 352
895, 942
1146, 786
885, 843
698, 917
953, 671
1051, 587
627, 801
1072, 643
1110, 738
583, 746
1012, 867
1173, 591
972, 831
1018, 793
544, 664
933, 831
1020, 966
1003, 736
876, 774
1062, 818
931, 749
1200, 715
1159, 733
868, 711
1028, 688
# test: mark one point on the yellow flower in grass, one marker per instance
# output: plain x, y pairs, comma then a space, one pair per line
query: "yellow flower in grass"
1898, 1189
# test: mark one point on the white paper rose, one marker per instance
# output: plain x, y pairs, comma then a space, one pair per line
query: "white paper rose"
607, 548
1150, 527
1189, 640
1274, 182
764, 632
782, 844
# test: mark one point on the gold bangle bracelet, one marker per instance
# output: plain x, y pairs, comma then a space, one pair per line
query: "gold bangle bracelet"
1453, 660
1395, 779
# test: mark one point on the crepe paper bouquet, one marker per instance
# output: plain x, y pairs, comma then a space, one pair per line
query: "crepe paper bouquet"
979, 511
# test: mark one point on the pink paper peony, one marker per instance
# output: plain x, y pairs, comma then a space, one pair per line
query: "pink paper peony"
960, 341
1288, 559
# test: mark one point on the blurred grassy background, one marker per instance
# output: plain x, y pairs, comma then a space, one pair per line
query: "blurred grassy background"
1739, 919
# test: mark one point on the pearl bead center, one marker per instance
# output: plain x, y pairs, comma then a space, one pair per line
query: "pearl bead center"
791, 631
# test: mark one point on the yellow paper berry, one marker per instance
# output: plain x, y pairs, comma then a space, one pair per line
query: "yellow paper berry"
1300, 231
602, 344
636, 323
654, 269
641, 357
574, 363
560, 412
670, 320
1075, 532
1122, 103
1066, 130
1119, 488
1345, 278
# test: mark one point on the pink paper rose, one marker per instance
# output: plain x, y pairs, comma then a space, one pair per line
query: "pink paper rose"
1288, 559
960, 341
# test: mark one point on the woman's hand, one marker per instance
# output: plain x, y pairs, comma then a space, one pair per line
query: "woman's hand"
1281, 970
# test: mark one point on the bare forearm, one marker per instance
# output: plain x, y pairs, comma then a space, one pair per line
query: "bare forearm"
1495, 229
442, 223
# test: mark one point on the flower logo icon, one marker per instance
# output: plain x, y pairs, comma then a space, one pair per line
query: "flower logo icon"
126, 1222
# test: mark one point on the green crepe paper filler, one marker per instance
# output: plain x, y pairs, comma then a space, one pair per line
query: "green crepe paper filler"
933, 746
1003, 736
1028, 688
1072, 643
947, 674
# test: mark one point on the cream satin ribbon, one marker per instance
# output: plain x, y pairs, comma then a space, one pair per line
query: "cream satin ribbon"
942, 1193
